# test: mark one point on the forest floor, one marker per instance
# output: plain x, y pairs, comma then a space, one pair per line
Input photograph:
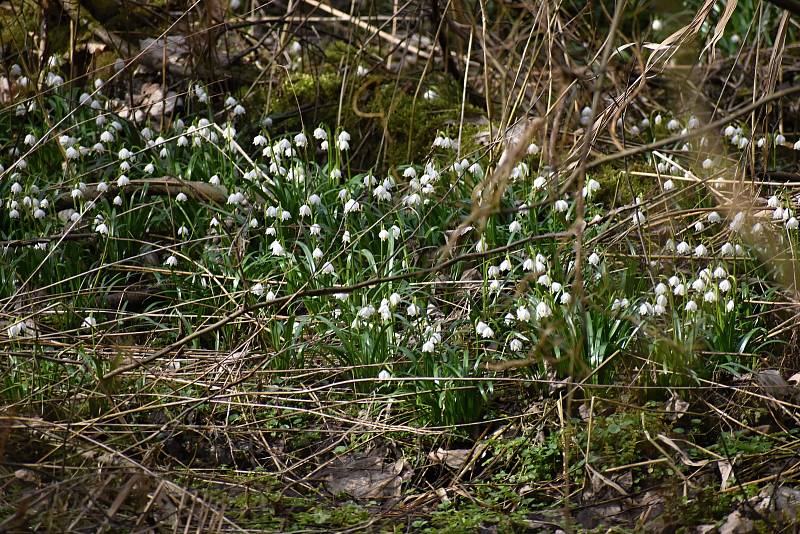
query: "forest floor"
431, 267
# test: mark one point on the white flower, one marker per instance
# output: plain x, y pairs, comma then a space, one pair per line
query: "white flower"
384, 310
708, 163
118, 200
395, 231
383, 235
101, 229
738, 222
673, 125
384, 375
122, 181
366, 312
727, 249
691, 306
561, 205
412, 310
592, 187
699, 285
594, 259
523, 314
483, 330
657, 25
89, 322
565, 299
680, 290
779, 139
638, 217
327, 268
16, 329
669, 185
183, 231
343, 141
724, 286
351, 205
276, 248
773, 202
729, 306
792, 224
301, 140
543, 310
39, 214
181, 197
515, 345
619, 304
258, 289
346, 236
683, 248
413, 199
710, 296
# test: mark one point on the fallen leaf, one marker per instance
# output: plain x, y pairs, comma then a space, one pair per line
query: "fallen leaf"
773, 384
26, 475
735, 523
455, 458
366, 476
676, 408
725, 470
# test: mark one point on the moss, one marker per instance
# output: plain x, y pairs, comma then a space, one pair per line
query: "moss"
17, 25
400, 127
130, 18
614, 182
260, 502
